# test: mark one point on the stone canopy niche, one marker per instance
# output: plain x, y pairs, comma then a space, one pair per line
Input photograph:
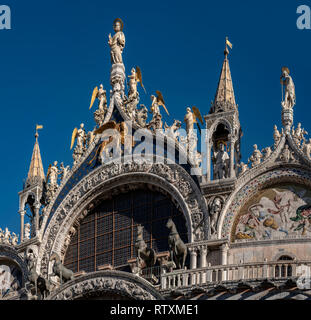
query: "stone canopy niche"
276, 212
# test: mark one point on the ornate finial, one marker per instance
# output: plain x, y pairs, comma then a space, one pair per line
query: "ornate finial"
38, 127
36, 172
227, 44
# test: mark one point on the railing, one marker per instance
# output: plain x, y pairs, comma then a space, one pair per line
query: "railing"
217, 274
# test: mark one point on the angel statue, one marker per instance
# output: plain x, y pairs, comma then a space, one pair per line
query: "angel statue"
156, 122
100, 94
117, 42
78, 135
135, 77
191, 118
99, 114
290, 96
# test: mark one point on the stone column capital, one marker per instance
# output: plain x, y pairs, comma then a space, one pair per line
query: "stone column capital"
224, 247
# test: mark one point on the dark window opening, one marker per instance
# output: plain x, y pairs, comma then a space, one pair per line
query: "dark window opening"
107, 234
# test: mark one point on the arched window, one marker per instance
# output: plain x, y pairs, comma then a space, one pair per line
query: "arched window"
107, 234
283, 271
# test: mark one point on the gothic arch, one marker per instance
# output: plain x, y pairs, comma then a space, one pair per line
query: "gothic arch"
173, 179
215, 125
282, 254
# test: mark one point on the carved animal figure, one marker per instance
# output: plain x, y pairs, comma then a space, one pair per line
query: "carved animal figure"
44, 286
59, 270
178, 250
31, 262
146, 257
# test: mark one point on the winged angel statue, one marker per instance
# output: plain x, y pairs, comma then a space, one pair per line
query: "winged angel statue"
156, 102
79, 136
99, 114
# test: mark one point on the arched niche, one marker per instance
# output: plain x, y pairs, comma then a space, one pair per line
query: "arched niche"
246, 197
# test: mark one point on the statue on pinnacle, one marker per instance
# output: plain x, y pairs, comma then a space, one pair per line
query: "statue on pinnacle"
117, 42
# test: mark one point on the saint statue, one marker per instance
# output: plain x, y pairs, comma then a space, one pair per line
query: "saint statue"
221, 161
256, 157
53, 174
117, 42
214, 211
189, 120
290, 96
132, 84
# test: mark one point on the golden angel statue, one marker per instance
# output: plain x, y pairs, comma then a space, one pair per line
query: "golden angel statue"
79, 136
191, 118
135, 77
100, 94
117, 42
156, 102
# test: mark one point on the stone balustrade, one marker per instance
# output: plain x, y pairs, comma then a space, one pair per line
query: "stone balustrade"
226, 273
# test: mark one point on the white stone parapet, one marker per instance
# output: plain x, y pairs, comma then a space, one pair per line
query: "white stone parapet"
233, 273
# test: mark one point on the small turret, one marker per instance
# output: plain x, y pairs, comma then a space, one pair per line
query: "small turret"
223, 128
31, 194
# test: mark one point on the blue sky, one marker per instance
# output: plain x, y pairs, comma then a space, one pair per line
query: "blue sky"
57, 52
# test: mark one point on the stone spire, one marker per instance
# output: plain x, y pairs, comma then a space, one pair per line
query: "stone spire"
224, 99
36, 172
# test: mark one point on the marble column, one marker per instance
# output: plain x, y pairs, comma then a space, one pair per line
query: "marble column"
36, 217
193, 258
203, 260
208, 156
22, 213
224, 259
203, 255
232, 171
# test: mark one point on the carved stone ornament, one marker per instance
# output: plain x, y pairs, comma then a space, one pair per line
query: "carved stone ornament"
107, 282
